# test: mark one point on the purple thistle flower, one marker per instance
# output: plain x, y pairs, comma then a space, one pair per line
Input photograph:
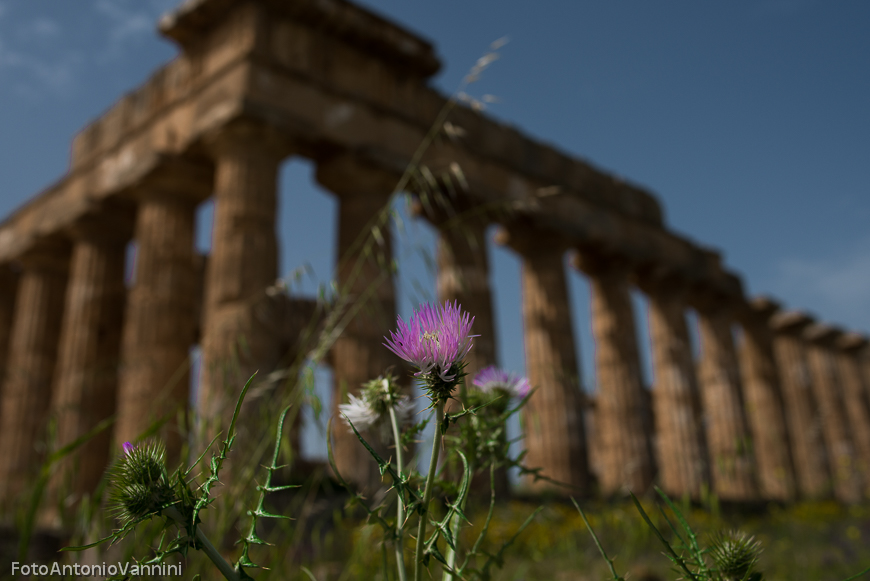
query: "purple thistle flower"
128, 447
435, 340
492, 379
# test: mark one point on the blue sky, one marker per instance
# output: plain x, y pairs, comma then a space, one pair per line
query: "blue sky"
750, 120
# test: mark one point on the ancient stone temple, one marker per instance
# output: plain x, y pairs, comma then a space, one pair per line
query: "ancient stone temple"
780, 414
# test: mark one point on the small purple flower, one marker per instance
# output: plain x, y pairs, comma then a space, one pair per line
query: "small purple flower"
493, 379
128, 447
435, 340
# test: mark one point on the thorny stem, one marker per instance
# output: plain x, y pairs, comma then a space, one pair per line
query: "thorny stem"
225, 568
427, 493
400, 511
455, 524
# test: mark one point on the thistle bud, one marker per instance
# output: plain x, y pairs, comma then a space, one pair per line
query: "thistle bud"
735, 555
140, 483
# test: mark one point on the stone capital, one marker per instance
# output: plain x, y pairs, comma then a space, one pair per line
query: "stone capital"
527, 239
350, 175
763, 306
49, 254
176, 179
713, 299
248, 137
109, 225
594, 263
450, 212
8, 277
822, 334
758, 311
662, 280
852, 342
791, 322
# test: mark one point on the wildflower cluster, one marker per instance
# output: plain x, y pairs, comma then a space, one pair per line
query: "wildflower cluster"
435, 340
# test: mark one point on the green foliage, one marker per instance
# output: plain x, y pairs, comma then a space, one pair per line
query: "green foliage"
142, 489
735, 554
260, 512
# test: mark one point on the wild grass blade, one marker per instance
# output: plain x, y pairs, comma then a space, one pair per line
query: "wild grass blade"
679, 561
609, 561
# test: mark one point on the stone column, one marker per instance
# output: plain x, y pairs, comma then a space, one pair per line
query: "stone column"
680, 446
160, 316
242, 265
555, 434
802, 414
828, 390
86, 378
764, 403
856, 396
622, 414
463, 276
8, 288
728, 440
364, 274
32, 356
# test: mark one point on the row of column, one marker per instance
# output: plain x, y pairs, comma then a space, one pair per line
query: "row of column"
786, 416
728, 420
79, 349
783, 417
83, 350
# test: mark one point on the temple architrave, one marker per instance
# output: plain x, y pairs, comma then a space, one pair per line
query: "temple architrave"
777, 411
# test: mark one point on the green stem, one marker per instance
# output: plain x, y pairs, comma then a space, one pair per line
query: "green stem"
427, 493
400, 516
455, 524
225, 568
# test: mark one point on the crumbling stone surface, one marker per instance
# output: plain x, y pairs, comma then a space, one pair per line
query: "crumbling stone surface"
622, 405
732, 462
764, 402
86, 378
828, 389
555, 435
802, 413
680, 445
31, 360
856, 399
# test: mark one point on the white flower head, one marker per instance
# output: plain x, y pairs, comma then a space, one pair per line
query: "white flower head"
371, 410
